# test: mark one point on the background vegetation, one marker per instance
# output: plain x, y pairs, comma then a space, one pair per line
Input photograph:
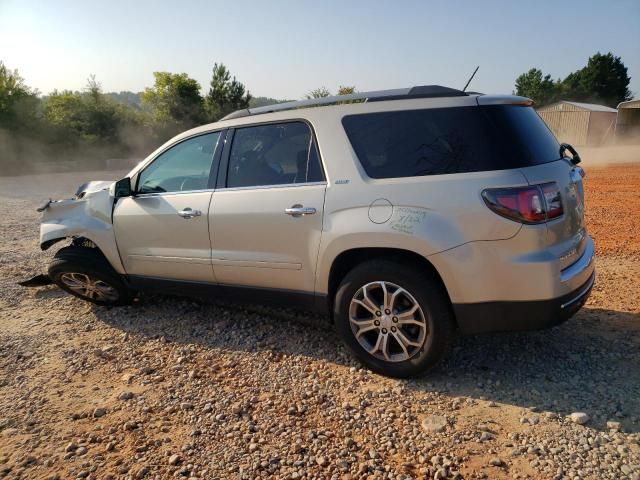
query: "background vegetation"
82, 129
604, 80
87, 127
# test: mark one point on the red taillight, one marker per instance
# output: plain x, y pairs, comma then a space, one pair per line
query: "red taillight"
534, 204
552, 200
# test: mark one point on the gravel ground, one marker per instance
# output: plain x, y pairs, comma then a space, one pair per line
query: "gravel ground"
172, 388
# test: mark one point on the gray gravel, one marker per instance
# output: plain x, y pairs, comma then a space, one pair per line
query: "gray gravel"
175, 388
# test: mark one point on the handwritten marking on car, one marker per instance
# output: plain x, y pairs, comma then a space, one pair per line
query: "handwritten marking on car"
406, 218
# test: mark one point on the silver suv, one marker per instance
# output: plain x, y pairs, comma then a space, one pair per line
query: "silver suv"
406, 215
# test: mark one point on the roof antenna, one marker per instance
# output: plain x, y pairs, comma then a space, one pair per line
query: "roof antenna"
471, 78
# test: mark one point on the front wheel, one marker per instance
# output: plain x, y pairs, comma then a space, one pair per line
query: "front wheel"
85, 273
395, 318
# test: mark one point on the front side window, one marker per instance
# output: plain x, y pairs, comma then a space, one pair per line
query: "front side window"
184, 167
275, 154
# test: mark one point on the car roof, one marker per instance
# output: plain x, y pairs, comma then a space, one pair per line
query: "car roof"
428, 96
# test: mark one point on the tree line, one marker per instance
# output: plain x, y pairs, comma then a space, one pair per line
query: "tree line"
86, 127
90, 125
603, 80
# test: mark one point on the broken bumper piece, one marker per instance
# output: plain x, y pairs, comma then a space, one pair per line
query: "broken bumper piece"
37, 281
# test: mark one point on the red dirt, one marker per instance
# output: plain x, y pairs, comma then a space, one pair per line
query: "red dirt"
613, 209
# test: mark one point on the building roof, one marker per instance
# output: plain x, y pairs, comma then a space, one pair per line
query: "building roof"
591, 107
630, 104
594, 107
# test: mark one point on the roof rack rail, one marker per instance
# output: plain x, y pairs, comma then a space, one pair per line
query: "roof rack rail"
424, 91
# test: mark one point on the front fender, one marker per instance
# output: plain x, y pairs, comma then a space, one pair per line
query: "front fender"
88, 217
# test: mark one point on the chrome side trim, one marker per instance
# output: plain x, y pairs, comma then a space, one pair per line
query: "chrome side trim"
252, 187
581, 294
265, 187
162, 194
582, 264
162, 258
225, 262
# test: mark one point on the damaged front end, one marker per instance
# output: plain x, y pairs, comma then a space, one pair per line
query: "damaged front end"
86, 218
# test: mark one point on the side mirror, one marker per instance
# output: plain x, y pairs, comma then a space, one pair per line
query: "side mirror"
122, 188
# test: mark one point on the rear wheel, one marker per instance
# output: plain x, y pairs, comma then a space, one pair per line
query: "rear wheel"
85, 273
395, 318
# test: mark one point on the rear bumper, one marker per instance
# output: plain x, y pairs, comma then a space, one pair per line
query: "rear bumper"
521, 315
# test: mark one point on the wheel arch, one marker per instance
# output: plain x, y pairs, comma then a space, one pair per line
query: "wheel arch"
348, 259
102, 240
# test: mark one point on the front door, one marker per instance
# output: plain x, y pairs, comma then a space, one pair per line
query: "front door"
163, 230
266, 220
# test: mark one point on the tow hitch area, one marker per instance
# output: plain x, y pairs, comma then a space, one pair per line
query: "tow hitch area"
37, 281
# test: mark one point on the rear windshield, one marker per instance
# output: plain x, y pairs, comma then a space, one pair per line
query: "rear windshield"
449, 140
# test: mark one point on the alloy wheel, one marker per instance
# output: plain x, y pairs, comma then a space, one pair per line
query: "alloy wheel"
89, 287
387, 321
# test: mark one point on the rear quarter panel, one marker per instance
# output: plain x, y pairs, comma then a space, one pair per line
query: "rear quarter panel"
426, 215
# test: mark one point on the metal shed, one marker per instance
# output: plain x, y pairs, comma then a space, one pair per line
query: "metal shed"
628, 122
580, 123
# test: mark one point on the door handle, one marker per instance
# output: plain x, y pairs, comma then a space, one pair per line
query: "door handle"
189, 213
298, 210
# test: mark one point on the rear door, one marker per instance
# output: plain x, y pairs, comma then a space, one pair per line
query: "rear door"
163, 230
266, 213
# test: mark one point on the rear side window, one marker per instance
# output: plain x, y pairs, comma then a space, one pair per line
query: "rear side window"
274, 154
449, 140
521, 130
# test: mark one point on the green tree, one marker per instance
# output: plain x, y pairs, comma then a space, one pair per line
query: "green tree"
174, 103
20, 122
320, 92
90, 126
323, 92
603, 80
541, 89
226, 94
87, 117
346, 90
264, 101
18, 103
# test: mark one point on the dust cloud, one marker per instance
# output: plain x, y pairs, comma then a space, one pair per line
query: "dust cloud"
24, 155
30, 169
609, 155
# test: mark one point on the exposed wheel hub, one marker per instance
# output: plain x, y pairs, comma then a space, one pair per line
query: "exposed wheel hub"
385, 321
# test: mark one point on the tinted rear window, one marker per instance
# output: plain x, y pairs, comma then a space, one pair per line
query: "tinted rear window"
449, 140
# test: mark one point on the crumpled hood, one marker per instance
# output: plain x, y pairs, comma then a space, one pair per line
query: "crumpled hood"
87, 215
93, 186
87, 188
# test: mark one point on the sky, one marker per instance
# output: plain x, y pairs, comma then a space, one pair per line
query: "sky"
285, 48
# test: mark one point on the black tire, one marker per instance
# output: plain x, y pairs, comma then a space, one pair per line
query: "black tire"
91, 263
429, 294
